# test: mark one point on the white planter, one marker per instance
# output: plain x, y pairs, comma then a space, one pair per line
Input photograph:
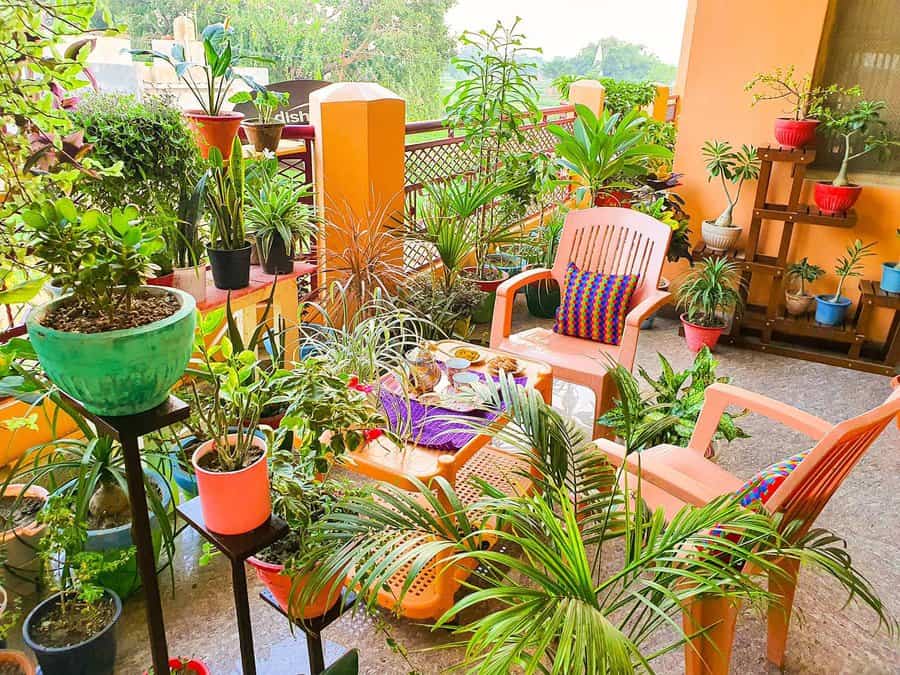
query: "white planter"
191, 280
796, 304
719, 239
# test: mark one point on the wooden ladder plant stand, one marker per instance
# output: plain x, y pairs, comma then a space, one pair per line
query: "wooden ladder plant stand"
768, 327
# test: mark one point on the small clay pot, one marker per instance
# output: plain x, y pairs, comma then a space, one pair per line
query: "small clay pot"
263, 136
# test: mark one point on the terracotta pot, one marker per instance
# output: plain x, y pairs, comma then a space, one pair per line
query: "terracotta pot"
795, 133
222, 511
835, 199
214, 131
22, 567
12, 657
796, 304
191, 280
279, 585
698, 337
263, 136
720, 239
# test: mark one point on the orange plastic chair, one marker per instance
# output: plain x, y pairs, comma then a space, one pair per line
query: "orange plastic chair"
604, 239
673, 477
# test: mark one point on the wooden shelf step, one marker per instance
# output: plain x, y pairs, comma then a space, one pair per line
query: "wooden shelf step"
804, 214
776, 153
801, 326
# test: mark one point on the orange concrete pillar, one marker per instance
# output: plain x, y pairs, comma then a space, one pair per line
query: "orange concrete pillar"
358, 166
590, 93
660, 105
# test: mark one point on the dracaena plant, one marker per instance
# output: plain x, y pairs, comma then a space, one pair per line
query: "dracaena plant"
604, 152
709, 291
850, 264
555, 595
223, 187
220, 60
100, 258
730, 166
275, 207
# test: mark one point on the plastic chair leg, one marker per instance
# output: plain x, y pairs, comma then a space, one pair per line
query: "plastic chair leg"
603, 401
710, 652
780, 614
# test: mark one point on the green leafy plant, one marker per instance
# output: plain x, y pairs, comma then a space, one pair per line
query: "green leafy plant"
668, 211
710, 291
850, 264
266, 102
804, 101
223, 187
275, 207
101, 258
220, 60
445, 311
856, 125
187, 235
730, 166
557, 600
804, 272
678, 395
604, 152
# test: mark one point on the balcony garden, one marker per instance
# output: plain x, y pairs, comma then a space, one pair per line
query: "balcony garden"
432, 396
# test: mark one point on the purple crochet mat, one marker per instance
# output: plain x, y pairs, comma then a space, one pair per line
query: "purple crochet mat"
432, 426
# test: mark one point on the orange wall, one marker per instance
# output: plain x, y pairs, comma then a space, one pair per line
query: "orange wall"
725, 45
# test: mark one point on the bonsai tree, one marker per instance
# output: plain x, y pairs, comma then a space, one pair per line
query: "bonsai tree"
730, 166
710, 291
858, 130
805, 273
850, 264
781, 84
266, 102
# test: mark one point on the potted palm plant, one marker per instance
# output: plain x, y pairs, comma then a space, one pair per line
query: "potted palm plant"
263, 131
110, 342
729, 166
73, 630
223, 187
277, 217
213, 126
890, 275
831, 309
708, 295
797, 128
857, 130
798, 301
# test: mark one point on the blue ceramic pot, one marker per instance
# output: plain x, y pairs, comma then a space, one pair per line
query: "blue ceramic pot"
829, 312
890, 277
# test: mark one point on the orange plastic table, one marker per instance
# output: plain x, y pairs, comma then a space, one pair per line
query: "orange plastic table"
284, 301
384, 460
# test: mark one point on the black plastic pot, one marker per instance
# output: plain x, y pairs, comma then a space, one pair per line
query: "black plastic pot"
230, 268
95, 656
542, 298
277, 261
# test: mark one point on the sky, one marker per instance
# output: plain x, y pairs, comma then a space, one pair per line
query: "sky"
561, 27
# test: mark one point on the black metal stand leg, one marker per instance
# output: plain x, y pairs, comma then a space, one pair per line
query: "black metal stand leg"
315, 653
242, 611
141, 535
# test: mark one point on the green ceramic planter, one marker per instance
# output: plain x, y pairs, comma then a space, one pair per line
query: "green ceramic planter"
122, 372
542, 298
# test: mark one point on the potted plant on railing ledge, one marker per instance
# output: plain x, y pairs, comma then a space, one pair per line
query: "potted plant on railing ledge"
797, 302
213, 127
264, 131
73, 631
111, 343
729, 166
831, 309
797, 128
708, 295
277, 218
857, 130
223, 186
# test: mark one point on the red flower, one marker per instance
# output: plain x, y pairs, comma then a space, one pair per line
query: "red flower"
372, 434
353, 383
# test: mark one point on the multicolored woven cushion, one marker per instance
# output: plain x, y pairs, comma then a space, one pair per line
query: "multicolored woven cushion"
763, 485
594, 305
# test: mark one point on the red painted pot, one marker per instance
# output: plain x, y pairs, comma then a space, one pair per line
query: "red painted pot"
193, 666
166, 280
795, 133
223, 512
214, 131
620, 198
698, 337
835, 199
279, 585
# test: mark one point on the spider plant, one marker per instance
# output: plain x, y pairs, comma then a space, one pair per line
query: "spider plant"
709, 291
564, 604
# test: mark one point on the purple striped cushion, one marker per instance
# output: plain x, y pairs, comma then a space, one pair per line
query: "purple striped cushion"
594, 305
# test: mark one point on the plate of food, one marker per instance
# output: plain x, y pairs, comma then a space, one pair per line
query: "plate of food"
467, 352
505, 364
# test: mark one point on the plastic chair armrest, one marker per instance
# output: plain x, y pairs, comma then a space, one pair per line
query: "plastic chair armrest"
502, 320
719, 396
646, 307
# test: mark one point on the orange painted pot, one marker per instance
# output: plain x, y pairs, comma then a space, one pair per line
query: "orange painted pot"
698, 337
214, 131
233, 502
14, 658
280, 584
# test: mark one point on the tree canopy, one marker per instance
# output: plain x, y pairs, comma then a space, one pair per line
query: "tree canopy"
620, 60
